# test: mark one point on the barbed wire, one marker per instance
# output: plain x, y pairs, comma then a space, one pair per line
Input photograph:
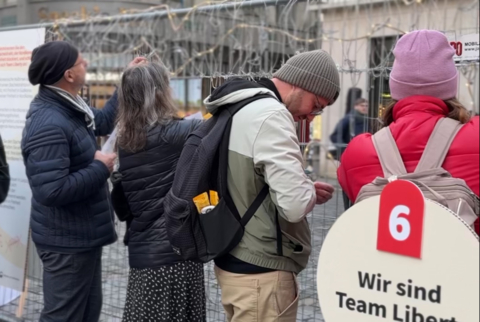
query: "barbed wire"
221, 38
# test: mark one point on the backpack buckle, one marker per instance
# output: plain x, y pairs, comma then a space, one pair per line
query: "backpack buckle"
177, 250
477, 204
392, 178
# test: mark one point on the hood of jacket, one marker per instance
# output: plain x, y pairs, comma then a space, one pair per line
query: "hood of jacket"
233, 91
415, 118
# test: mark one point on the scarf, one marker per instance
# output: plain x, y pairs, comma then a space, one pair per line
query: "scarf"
77, 103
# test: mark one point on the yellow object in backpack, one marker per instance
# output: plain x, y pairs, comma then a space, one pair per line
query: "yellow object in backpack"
201, 201
213, 198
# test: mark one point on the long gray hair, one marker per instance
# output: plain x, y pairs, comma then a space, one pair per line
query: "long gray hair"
145, 99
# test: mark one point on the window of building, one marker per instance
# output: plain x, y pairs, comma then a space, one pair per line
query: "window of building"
187, 93
381, 62
8, 21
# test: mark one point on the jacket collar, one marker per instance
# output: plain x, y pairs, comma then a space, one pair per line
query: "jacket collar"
77, 103
419, 104
267, 83
47, 95
233, 91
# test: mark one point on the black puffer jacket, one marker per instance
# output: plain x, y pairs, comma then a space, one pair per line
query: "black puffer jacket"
70, 198
4, 174
146, 178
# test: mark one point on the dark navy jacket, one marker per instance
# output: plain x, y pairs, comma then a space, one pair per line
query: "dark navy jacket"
71, 206
147, 176
4, 174
350, 126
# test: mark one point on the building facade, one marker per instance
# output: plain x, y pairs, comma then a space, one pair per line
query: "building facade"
181, 44
24, 12
360, 36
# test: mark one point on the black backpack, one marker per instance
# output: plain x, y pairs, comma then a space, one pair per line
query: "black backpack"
203, 166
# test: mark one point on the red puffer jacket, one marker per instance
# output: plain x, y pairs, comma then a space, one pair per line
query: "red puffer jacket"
414, 120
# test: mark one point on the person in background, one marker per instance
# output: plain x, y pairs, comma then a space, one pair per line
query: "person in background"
352, 124
71, 215
423, 83
162, 287
4, 173
258, 278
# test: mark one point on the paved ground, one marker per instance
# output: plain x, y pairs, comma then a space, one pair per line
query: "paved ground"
115, 272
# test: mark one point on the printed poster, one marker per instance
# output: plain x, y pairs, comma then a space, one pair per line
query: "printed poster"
16, 93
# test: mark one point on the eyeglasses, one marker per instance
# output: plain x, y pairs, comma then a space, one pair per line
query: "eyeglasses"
318, 109
83, 62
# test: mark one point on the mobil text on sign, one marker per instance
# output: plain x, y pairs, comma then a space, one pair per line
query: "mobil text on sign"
466, 48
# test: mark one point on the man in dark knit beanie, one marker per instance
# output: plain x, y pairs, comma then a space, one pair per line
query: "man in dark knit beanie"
71, 215
50, 62
264, 150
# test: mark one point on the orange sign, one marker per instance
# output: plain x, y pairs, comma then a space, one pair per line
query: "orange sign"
400, 222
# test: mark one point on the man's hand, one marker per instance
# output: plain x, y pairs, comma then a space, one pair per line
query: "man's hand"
106, 158
137, 61
324, 192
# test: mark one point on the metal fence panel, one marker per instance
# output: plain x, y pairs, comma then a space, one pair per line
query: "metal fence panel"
253, 38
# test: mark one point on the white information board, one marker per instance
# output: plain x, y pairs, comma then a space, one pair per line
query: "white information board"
466, 47
365, 274
16, 93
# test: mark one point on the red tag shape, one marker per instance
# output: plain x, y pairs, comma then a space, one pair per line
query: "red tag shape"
400, 224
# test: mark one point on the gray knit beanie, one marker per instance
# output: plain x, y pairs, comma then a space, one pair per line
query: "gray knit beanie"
313, 71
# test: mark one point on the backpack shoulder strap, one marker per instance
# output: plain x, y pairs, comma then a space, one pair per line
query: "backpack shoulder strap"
388, 154
228, 113
223, 165
255, 205
438, 144
234, 108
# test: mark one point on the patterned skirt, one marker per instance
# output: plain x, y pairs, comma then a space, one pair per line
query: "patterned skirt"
167, 294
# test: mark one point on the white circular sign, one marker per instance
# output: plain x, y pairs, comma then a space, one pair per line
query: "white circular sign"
358, 283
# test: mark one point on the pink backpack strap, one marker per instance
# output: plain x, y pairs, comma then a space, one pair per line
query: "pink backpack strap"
387, 150
438, 144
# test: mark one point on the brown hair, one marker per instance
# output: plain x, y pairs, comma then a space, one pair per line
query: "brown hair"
456, 111
144, 99
360, 101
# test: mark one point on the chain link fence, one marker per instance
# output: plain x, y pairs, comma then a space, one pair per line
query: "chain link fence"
206, 44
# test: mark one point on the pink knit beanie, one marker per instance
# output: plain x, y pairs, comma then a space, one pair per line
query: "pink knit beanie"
424, 66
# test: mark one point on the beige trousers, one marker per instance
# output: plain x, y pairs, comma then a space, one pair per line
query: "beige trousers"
269, 297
